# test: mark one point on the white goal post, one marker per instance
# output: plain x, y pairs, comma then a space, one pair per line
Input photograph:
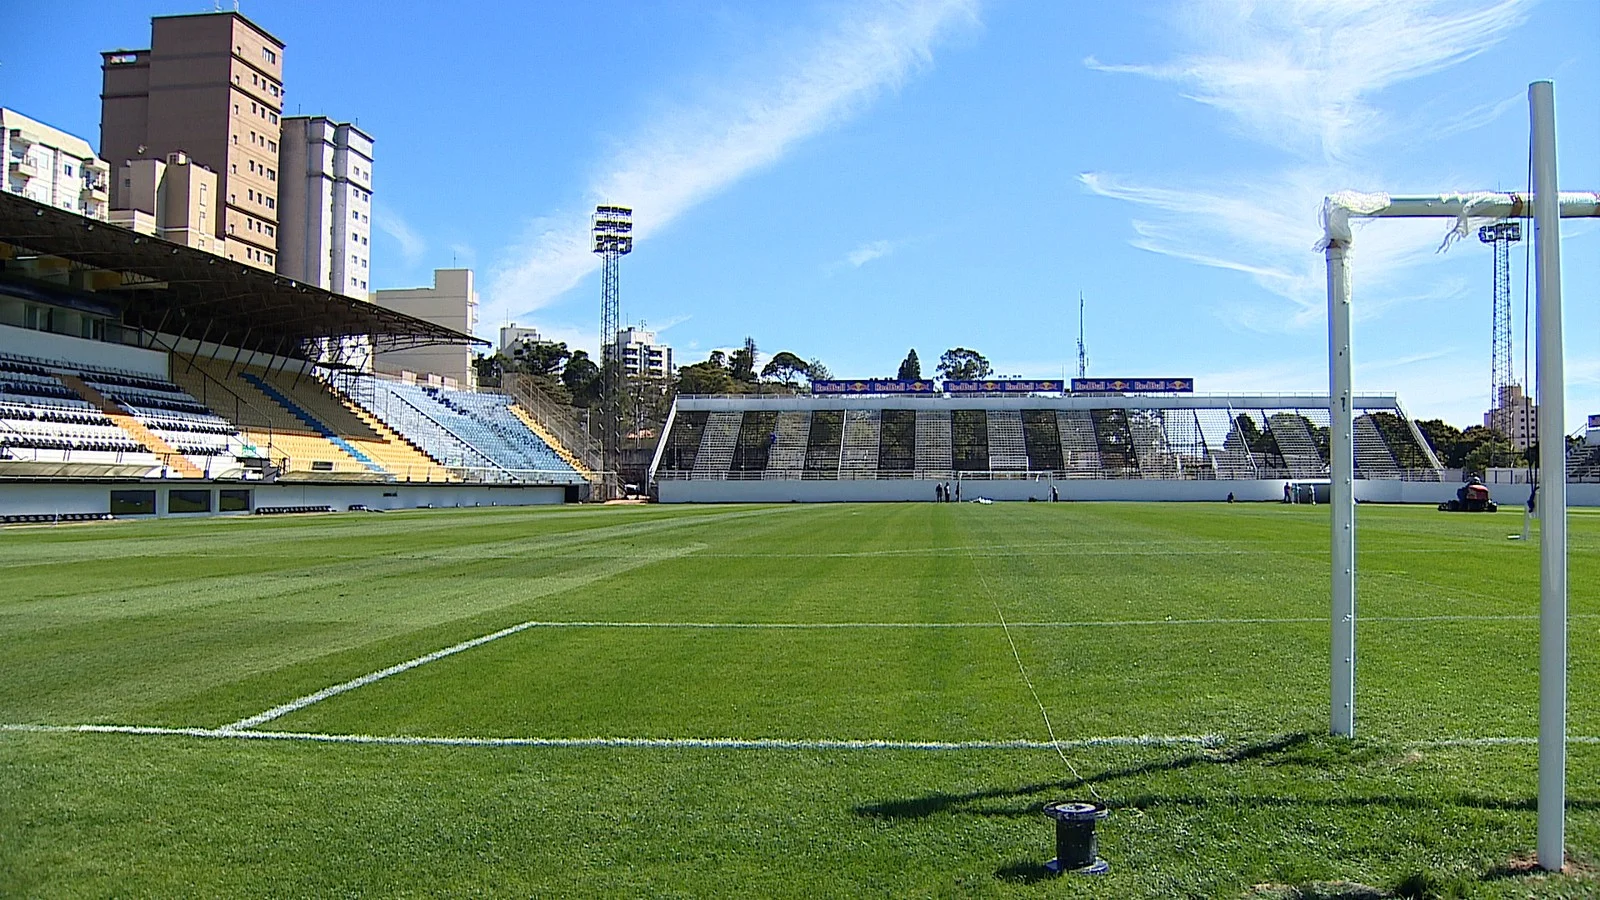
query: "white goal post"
1547, 207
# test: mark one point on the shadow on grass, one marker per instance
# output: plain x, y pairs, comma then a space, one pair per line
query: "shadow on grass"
1297, 748
931, 804
1025, 872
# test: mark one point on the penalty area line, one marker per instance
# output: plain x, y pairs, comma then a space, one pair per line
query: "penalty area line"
1143, 740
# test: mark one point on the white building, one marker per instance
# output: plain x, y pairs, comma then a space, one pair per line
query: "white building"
512, 335
451, 302
641, 355
53, 167
1516, 416
325, 205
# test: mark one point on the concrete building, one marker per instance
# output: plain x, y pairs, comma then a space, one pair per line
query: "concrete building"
325, 204
209, 86
512, 335
641, 355
51, 166
452, 302
175, 200
1516, 416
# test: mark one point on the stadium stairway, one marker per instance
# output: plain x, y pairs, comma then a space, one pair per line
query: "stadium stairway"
934, 459
1373, 458
1080, 450
787, 458
136, 429
1298, 448
276, 396
263, 423
1007, 448
859, 457
1117, 459
560, 448
1150, 446
717, 441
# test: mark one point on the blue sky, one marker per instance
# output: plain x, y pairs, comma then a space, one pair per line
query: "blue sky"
847, 180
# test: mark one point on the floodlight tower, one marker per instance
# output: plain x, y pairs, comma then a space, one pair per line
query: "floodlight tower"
1501, 235
612, 229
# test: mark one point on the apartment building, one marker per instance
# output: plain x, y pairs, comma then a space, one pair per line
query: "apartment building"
642, 357
451, 302
174, 199
325, 204
51, 166
209, 86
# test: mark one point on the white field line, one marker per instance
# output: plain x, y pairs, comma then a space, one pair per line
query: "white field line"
1088, 623
1204, 741
1143, 740
303, 702
300, 703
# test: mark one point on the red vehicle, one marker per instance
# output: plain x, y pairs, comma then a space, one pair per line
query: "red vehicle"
1472, 497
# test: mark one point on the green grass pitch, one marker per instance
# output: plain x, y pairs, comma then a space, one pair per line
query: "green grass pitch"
806, 701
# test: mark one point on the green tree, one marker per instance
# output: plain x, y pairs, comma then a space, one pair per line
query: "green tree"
910, 367
489, 369
961, 364
581, 377
709, 377
542, 358
817, 370
785, 368
1443, 438
742, 362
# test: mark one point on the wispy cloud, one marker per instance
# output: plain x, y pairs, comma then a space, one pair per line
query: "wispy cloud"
693, 152
861, 255
412, 245
1301, 77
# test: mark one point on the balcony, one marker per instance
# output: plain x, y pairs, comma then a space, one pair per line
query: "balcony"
24, 167
94, 192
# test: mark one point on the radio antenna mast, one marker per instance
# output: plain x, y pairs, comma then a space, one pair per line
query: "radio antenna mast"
1083, 354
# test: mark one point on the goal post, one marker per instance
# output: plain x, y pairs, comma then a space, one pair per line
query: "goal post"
1546, 207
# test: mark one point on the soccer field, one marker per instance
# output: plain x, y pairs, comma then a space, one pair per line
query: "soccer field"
778, 701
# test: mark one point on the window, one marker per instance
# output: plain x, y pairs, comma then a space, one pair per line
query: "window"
252, 193
271, 232
272, 174
268, 55
363, 241
233, 168
188, 501
273, 146
133, 503
268, 258
252, 104
352, 281
233, 501
271, 203
252, 165
67, 169
236, 140
236, 109
272, 117
363, 285
355, 215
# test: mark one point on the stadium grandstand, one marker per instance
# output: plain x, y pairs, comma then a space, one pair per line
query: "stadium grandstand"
1082, 447
138, 376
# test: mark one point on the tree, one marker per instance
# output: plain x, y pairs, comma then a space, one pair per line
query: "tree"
1443, 438
489, 369
709, 377
742, 364
582, 377
785, 367
817, 370
1482, 448
544, 358
962, 364
911, 367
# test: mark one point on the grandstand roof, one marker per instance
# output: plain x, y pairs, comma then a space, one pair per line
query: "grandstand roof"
173, 289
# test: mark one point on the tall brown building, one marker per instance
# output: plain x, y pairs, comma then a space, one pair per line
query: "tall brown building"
210, 86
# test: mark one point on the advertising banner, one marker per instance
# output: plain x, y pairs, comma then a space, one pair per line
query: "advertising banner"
873, 386
1133, 385
1002, 386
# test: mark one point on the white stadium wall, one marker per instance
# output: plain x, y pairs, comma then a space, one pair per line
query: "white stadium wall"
58, 498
